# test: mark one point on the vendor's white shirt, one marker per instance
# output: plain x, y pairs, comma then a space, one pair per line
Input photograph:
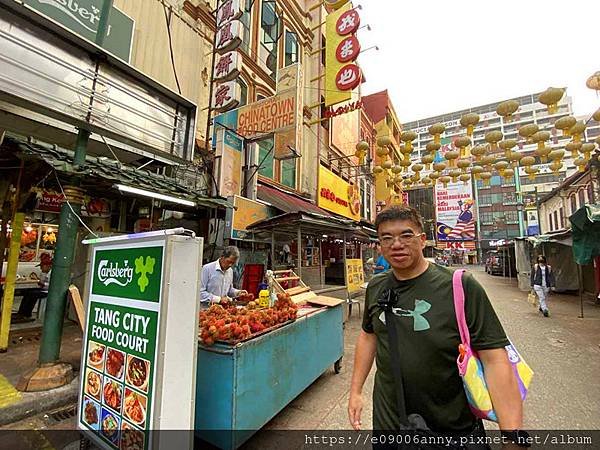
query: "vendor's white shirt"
216, 283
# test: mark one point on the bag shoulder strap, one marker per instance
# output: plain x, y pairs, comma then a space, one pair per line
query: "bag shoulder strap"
396, 366
459, 306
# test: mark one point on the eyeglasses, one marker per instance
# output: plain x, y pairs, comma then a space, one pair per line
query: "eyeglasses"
404, 238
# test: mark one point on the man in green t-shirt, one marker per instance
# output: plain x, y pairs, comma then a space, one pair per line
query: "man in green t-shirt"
428, 339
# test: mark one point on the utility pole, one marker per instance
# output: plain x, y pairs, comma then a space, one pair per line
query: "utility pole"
51, 374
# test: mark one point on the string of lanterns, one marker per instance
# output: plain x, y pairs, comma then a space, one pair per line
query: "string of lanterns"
464, 160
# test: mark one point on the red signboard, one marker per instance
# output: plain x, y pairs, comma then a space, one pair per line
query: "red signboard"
348, 23
348, 77
50, 202
348, 50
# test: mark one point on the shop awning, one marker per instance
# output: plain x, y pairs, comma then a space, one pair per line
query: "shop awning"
586, 233
563, 237
287, 202
309, 222
111, 172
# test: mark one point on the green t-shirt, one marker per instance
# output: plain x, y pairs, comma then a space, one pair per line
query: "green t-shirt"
429, 340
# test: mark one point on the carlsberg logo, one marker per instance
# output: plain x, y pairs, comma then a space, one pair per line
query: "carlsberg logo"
83, 16
113, 273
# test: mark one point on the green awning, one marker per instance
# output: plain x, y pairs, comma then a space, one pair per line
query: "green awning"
585, 224
112, 172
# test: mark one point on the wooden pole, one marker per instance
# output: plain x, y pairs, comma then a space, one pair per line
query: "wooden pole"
299, 251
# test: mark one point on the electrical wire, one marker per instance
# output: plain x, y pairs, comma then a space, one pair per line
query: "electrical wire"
71, 208
168, 23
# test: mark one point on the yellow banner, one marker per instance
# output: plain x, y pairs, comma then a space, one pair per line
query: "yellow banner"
337, 195
355, 275
245, 213
333, 95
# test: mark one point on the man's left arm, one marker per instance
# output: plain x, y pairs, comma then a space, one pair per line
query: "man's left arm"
503, 387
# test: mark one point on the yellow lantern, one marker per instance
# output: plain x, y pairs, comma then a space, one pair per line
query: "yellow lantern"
565, 124
464, 178
396, 169
426, 181
407, 137
452, 156
434, 176
377, 170
492, 138
405, 163
596, 115
361, 151
577, 131
398, 179
432, 147
445, 180
587, 150
384, 141
527, 161
528, 130
550, 97
555, 166
581, 164
439, 166
478, 151
436, 130
574, 148
485, 176
408, 182
501, 166
469, 121
509, 173
427, 160
531, 172
540, 139
382, 152
593, 82
556, 155
416, 167
597, 140
476, 171
455, 173
514, 158
507, 109
487, 161
462, 143
507, 145
387, 165
463, 164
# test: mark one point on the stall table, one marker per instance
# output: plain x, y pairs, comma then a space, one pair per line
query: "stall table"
242, 387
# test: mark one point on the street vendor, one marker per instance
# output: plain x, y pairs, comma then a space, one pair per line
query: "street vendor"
217, 278
34, 295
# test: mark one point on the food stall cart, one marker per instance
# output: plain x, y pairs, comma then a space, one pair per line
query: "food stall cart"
241, 387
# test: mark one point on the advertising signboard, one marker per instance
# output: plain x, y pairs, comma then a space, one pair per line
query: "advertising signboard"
128, 368
337, 195
455, 212
82, 17
355, 275
230, 163
245, 213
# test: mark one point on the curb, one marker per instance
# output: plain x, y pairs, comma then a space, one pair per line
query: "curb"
34, 403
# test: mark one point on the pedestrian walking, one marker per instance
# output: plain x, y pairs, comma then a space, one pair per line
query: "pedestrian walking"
542, 280
426, 341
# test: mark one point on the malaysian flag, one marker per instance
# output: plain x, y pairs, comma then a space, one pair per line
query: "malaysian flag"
463, 230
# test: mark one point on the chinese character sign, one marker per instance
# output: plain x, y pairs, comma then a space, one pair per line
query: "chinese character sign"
342, 76
455, 212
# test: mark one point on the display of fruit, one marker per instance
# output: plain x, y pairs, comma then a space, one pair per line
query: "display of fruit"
227, 323
244, 298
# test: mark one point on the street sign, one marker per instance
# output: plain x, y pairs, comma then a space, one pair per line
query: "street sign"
82, 17
126, 381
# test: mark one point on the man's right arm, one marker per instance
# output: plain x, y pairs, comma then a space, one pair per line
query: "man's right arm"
363, 361
206, 296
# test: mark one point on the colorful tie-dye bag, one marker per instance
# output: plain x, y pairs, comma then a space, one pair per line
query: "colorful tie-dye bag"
470, 368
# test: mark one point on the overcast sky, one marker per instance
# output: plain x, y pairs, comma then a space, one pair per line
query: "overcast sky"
439, 56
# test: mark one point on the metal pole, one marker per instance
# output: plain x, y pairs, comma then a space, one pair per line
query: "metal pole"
299, 251
519, 200
344, 260
60, 277
580, 274
272, 250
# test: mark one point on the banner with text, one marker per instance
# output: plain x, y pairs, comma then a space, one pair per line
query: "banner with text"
455, 212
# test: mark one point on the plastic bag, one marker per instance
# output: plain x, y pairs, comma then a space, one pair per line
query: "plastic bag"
532, 298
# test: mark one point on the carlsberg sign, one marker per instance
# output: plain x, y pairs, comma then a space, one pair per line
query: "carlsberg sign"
133, 273
82, 17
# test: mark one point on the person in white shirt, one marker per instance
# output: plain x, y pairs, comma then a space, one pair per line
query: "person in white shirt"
217, 278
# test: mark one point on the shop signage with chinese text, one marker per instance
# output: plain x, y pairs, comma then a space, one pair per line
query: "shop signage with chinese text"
337, 195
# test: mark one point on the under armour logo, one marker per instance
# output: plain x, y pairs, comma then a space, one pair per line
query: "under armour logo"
420, 323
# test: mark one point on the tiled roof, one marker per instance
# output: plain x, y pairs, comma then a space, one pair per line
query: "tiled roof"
112, 171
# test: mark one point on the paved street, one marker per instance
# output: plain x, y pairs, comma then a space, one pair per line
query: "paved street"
563, 350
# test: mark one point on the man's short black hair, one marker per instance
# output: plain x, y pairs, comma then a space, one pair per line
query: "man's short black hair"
542, 259
399, 212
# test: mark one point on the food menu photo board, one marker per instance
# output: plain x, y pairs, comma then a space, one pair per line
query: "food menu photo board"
355, 274
121, 340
